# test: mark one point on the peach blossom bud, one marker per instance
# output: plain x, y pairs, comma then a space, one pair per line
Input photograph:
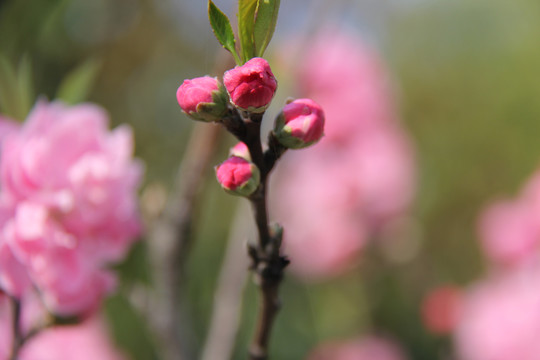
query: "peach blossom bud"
300, 124
251, 86
240, 150
203, 98
238, 176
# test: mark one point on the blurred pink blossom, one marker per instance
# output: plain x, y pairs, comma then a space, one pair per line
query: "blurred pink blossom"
333, 197
441, 309
68, 205
500, 317
89, 340
86, 341
509, 230
350, 81
7, 126
368, 348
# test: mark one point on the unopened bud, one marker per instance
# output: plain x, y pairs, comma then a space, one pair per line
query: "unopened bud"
251, 86
240, 150
300, 124
203, 98
238, 176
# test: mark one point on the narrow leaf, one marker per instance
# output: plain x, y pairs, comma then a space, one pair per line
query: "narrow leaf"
221, 26
265, 24
25, 88
76, 86
246, 27
8, 89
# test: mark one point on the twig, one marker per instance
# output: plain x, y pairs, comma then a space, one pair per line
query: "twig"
22, 336
267, 262
228, 297
169, 243
18, 337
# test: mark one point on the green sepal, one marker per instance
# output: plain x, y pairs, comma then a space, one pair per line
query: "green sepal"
214, 111
249, 186
283, 134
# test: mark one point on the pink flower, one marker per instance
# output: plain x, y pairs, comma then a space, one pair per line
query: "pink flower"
440, 309
500, 318
510, 232
315, 198
69, 186
348, 79
69, 278
252, 85
203, 98
7, 126
300, 124
65, 159
14, 278
87, 341
368, 348
359, 178
238, 176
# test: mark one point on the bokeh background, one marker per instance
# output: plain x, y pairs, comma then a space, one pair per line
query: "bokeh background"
465, 75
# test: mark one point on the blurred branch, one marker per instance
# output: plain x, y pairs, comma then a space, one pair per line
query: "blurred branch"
228, 297
18, 337
169, 242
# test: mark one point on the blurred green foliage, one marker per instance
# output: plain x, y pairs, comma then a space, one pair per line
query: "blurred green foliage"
466, 74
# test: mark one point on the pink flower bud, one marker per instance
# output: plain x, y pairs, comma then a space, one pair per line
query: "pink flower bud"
240, 150
300, 124
252, 85
238, 176
203, 98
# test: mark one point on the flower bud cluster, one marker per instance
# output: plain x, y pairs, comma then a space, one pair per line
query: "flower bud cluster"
245, 94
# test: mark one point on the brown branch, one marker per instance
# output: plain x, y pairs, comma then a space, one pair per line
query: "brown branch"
18, 337
169, 242
267, 262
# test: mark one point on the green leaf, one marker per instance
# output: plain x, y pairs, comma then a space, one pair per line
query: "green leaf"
77, 84
246, 27
265, 24
8, 84
222, 29
16, 94
25, 87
